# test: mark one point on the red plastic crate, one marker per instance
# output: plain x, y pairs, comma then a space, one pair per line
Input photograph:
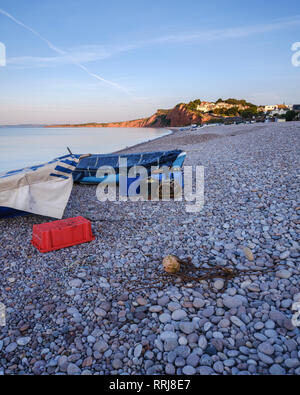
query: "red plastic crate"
61, 234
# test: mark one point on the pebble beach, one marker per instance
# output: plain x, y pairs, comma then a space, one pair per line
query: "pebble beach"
72, 312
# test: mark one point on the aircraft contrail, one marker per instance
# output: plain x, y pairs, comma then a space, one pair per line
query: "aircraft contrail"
61, 52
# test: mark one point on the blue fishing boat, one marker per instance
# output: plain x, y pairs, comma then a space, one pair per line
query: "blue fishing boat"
87, 169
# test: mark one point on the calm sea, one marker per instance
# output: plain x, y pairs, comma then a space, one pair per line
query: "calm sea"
21, 147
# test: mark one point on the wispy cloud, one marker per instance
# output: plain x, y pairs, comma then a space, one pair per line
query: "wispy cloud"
92, 53
229, 33
83, 54
62, 53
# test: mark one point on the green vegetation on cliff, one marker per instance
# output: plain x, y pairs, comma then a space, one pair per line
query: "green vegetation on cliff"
192, 105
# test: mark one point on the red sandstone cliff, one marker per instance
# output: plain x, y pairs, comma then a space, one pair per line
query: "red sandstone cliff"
177, 117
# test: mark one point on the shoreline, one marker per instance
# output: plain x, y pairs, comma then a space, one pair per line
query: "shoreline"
145, 143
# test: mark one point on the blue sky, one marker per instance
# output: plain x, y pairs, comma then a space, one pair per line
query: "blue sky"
99, 61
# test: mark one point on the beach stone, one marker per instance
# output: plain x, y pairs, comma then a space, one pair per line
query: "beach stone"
232, 302
63, 363
75, 283
286, 303
187, 327
271, 333
198, 303
189, 370
11, 347
218, 367
248, 254
206, 360
265, 358
163, 301
193, 360
183, 351
73, 369
280, 319
208, 312
100, 346
183, 341
138, 350
155, 309
100, 312
205, 370
170, 369
266, 348
179, 315
172, 356
260, 336
297, 297
235, 320
277, 370
38, 367
269, 324
259, 325
167, 335
179, 362
283, 274
224, 323
91, 339
218, 344
219, 284
117, 364
284, 255
207, 326
141, 301
202, 342
106, 306
229, 362
211, 350
170, 344
217, 335
291, 345
87, 362
23, 341
292, 362
164, 318
173, 306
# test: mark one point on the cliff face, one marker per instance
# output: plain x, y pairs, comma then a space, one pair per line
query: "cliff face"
177, 117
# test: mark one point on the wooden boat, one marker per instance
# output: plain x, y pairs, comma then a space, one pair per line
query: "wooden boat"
44, 189
87, 169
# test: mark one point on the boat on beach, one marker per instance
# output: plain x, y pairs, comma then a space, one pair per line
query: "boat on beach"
86, 170
43, 189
